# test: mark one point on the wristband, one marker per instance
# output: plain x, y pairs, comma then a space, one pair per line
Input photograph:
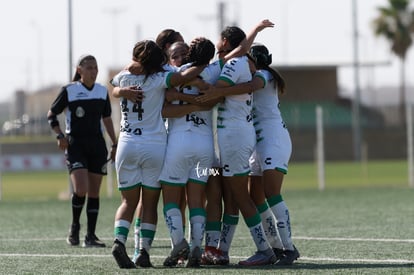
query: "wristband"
114, 145
60, 136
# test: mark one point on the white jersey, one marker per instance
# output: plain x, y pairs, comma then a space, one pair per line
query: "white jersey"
273, 143
266, 100
235, 131
236, 110
201, 121
143, 119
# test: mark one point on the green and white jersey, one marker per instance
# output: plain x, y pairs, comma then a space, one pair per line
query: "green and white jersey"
200, 122
143, 119
236, 110
266, 100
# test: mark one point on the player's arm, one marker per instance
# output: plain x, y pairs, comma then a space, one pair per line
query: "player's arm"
132, 93
246, 43
53, 121
170, 110
224, 88
180, 78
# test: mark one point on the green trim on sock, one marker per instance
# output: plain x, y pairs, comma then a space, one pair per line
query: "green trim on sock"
170, 206
262, 208
232, 220
253, 220
137, 222
197, 212
213, 226
273, 200
145, 233
123, 231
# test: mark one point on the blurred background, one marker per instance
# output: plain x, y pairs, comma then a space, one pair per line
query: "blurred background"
351, 59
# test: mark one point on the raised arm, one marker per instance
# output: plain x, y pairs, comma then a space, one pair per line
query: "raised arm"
245, 45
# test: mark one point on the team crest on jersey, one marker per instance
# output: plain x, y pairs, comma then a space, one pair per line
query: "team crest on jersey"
80, 112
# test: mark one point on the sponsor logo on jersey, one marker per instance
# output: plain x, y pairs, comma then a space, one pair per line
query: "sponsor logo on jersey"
81, 95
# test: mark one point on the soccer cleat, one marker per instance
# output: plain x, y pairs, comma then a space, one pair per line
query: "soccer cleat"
121, 256
279, 252
194, 257
265, 257
143, 259
92, 241
221, 258
289, 256
73, 237
180, 250
214, 256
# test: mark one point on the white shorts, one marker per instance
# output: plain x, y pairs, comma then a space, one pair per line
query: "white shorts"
236, 146
139, 164
274, 146
255, 169
189, 156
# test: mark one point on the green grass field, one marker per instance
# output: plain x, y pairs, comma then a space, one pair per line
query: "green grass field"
363, 223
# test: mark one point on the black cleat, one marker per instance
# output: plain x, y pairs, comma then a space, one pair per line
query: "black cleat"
194, 258
279, 253
121, 256
181, 250
143, 259
92, 241
73, 237
289, 257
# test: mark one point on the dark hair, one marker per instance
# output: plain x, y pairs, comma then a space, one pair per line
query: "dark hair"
234, 35
149, 55
262, 59
201, 51
80, 62
168, 36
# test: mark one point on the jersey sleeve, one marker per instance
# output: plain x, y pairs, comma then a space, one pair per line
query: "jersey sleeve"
262, 76
107, 108
61, 101
230, 72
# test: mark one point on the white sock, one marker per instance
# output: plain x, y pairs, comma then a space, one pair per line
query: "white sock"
197, 226
147, 235
269, 226
121, 230
281, 213
174, 222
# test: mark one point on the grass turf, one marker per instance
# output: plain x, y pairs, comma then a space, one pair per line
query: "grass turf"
361, 224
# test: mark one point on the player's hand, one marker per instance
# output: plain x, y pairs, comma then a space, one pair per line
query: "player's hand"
132, 93
172, 94
266, 23
134, 68
208, 95
63, 143
113, 153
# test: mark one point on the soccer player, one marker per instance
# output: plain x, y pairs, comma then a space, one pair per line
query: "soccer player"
273, 150
190, 152
86, 104
141, 146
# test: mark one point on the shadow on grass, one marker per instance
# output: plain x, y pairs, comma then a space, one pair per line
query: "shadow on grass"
303, 266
